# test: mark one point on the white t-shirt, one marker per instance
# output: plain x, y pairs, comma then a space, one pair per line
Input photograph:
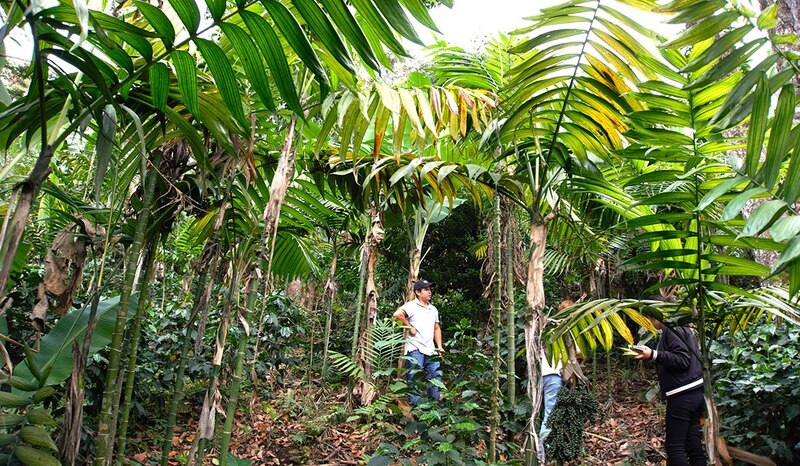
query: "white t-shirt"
423, 318
547, 369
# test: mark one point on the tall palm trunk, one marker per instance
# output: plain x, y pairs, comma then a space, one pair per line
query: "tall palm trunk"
207, 421
330, 294
144, 291
534, 294
106, 419
497, 290
414, 259
263, 260
511, 325
370, 307
362, 284
238, 370
202, 297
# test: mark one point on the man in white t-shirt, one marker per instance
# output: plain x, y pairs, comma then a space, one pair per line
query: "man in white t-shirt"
424, 339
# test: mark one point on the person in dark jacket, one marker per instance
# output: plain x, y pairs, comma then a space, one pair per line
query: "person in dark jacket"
680, 378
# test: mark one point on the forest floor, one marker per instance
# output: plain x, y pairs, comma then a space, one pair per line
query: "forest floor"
306, 425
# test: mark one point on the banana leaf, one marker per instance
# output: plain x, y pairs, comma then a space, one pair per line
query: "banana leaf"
55, 351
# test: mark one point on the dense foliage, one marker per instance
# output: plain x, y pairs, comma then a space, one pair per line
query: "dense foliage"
575, 407
209, 202
758, 389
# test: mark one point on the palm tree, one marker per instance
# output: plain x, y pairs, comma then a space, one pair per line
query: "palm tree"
686, 191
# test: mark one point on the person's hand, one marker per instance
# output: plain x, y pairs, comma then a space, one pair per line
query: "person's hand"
440, 351
647, 353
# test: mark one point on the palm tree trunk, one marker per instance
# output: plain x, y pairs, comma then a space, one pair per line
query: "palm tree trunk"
370, 307
207, 421
236, 377
511, 325
202, 296
534, 294
330, 294
414, 259
106, 420
144, 291
497, 289
277, 195
362, 284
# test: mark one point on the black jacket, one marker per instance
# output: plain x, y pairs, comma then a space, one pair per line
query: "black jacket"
677, 365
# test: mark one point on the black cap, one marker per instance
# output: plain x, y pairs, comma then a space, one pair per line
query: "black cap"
421, 284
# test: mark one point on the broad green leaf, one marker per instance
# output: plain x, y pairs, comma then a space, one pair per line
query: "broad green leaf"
420, 12
96, 70
296, 38
785, 228
345, 22
758, 126
722, 188
322, 137
106, 139
55, 349
224, 78
188, 13
737, 203
546, 37
791, 184
159, 85
698, 11
659, 117
251, 62
789, 254
745, 243
272, 50
762, 217
397, 18
186, 74
743, 87
779, 141
707, 28
744, 108
118, 55
375, 44
348, 123
216, 8
30, 456
319, 23
752, 267
768, 19
158, 21
721, 46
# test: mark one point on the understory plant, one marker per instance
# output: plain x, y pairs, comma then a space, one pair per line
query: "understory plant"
453, 431
758, 389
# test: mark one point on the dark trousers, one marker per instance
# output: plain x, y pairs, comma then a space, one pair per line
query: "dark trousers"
684, 442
